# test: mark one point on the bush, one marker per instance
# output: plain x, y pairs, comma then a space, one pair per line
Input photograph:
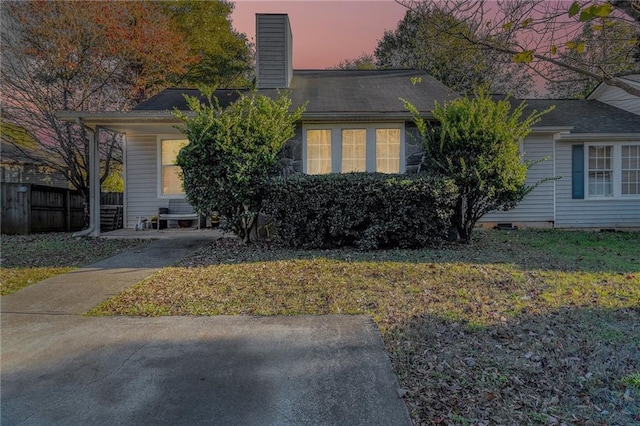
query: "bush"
365, 210
476, 143
232, 151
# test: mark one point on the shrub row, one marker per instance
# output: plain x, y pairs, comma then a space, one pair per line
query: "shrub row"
364, 210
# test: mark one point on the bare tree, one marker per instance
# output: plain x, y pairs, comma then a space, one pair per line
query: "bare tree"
543, 33
94, 56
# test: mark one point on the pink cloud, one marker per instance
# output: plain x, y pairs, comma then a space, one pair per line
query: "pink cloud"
325, 32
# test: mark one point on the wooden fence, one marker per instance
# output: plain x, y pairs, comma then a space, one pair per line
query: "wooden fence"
28, 208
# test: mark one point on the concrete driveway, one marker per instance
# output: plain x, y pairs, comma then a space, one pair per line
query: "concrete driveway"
61, 368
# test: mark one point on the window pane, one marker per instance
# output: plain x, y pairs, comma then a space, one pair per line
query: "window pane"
170, 150
388, 150
630, 169
354, 150
600, 173
318, 152
171, 180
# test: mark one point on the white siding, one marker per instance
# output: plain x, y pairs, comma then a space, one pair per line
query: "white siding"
538, 205
141, 185
617, 97
589, 213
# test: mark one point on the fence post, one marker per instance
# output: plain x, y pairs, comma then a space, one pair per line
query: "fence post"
67, 210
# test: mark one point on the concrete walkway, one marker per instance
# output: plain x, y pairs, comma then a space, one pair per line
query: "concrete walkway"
61, 368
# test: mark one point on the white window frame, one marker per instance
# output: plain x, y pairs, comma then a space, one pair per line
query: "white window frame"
616, 165
159, 140
336, 142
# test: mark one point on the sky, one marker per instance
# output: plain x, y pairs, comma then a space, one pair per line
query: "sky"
325, 32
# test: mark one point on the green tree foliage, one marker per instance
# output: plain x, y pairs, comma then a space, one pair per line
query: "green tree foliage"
362, 62
476, 143
419, 42
222, 56
231, 153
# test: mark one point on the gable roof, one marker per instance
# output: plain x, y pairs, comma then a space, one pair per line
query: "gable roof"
581, 115
336, 94
586, 116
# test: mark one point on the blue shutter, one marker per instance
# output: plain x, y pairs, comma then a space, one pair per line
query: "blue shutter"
577, 172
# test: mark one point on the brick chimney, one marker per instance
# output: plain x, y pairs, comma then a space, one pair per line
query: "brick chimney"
274, 63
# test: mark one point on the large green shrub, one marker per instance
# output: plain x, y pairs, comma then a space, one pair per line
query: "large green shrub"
476, 143
365, 210
232, 151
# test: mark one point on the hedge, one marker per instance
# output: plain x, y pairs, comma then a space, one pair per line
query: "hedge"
364, 210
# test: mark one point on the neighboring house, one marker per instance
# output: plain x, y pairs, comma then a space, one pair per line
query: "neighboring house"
354, 121
618, 97
18, 167
594, 151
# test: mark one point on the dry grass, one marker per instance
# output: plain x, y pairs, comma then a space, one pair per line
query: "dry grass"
520, 328
28, 259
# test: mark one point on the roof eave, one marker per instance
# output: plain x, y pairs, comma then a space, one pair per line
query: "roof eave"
551, 129
362, 116
599, 137
93, 119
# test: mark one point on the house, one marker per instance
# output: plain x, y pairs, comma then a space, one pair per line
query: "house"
617, 97
594, 150
22, 165
354, 121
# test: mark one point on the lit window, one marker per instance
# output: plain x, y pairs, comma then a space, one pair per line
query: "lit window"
354, 150
350, 147
388, 150
171, 179
600, 171
318, 152
630, 169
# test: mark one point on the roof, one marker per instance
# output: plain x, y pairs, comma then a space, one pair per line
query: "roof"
632, 77
337, 94
585, 116
10, 153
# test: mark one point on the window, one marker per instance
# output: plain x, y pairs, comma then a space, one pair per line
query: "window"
318, 152
630, 169
600, 172
388, 150
354, 150
613, 170
344, 148
170, 179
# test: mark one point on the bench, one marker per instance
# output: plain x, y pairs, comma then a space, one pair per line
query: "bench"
177, 210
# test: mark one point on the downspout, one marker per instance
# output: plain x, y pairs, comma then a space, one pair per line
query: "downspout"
94, 184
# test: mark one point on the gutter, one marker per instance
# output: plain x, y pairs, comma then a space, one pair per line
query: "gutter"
604, 137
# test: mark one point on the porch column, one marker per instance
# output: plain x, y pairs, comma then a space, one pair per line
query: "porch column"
94, 182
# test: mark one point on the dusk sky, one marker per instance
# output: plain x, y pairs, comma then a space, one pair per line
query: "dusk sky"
325, 32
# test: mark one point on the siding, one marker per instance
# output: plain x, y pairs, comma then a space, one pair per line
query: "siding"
570, 213
538, 205
619, 98
141, 184
273, 51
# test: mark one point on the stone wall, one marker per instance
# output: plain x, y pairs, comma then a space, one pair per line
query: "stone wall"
291, 154
413, 150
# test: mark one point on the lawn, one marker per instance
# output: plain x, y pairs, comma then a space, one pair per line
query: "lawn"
28, 259
525, 327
